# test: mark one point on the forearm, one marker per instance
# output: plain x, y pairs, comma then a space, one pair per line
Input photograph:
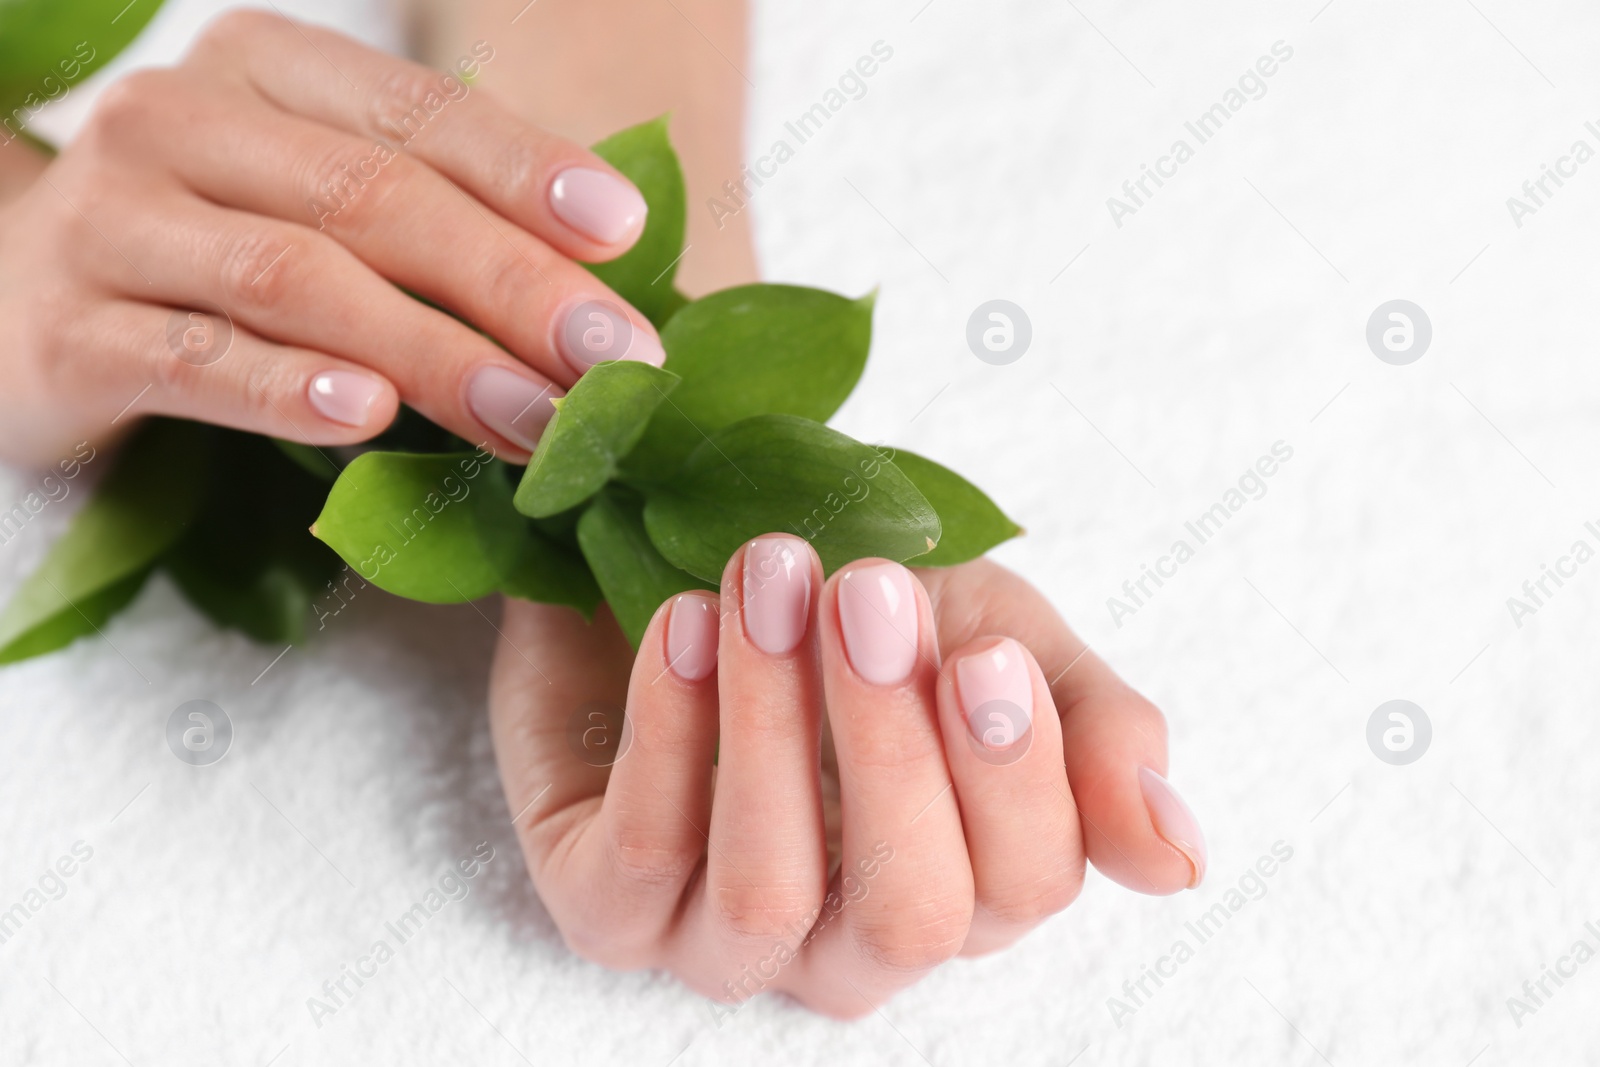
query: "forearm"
587, 70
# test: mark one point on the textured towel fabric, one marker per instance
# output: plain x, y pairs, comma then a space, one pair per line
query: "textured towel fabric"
1176, 339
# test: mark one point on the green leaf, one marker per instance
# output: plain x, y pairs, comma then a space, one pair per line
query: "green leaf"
247, 561
413, 432
438, 527
670, 307
48, 46
549, 572
632, 574
643, 275
309, 459
272, 604
755, 350
781, 473
562, 528
972, 524
141, 508
84, 618
595, 425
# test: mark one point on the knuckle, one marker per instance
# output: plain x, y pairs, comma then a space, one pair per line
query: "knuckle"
239, 386
647, 859
261, 381
1029, 905
337, 177
596, 921
255, 273
517, 171
760, 912
400, 104
764, 721
169, 375
131, 101
914, 940
239, 24
874, 747
507, 281
674, 738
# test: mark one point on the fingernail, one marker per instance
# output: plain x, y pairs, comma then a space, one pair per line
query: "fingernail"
996, 693
598, 205
692, 637
593, 331
878, 613
646, 349
1174, 821
777, 593
513, 406
345, 396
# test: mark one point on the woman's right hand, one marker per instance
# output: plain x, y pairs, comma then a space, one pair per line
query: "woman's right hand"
295, 180
825, 788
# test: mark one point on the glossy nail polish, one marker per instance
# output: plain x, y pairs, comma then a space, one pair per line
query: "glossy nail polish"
594, 331
777, 593
514, 406
692, 637
1174, 821
878, 614
995, 690
599, 205
344, 396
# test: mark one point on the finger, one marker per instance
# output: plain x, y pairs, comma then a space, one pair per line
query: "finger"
902, 900
1136, 829
131, 359
297, 287
767, 868
562, 193
630, 870
1002, 740
407, 223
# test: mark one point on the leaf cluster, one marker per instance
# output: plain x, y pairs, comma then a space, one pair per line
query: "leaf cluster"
644, 483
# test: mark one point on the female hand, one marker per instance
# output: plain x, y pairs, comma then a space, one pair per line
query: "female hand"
968, 787
289, 179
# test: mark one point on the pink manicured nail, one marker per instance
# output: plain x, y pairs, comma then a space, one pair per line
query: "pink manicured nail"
514, 406
646, 349
345, 396
878, 613
777, 593
692, 637
1174, 821
996, 691
598, 205
594, 331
